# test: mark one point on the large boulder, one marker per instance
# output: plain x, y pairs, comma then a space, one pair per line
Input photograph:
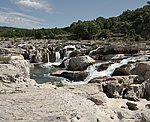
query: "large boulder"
124, 70
71, 75
22, 65
143, 69
79, 63
16, 70
111, 87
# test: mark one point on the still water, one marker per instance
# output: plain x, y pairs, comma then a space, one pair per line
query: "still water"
41, 74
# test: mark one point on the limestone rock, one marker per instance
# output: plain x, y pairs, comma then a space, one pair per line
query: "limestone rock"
17, 71
132, 96
124, 70
71, 75
143, 69
98, 99
132, 106
138, 89
103, 66
147, 89
111, 88
22, 66
145, 116
80, 63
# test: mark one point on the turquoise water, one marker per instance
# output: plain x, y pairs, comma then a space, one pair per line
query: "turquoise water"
41, 74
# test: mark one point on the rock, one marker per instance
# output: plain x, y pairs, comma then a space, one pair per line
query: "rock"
16, 57
107, 57
119, 57
103, 66
120, 79
97, 80
131, 95
147, 89
145, 116
71, 75
120, 49
147, 106
132, 106
97, 53
98, 99
124, 70
11, 51
17, 71
22, 66
79, 63
54, 119
130, 79
111, 88
142, 69
75, 53
138, 89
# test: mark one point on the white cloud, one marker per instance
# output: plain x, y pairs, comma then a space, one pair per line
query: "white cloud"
16, 19
34, 4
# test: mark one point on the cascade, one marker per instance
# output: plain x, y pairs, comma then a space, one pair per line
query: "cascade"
57, 62
67, 54
69, 49
57, 57
93, 73
48, 57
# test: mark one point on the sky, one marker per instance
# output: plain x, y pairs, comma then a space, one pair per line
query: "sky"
60, 13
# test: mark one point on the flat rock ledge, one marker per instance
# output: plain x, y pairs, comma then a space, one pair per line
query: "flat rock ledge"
48, 103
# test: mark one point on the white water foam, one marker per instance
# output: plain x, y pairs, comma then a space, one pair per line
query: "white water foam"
57, 62
93, 73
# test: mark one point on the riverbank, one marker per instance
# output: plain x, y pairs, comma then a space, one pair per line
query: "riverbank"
101, 71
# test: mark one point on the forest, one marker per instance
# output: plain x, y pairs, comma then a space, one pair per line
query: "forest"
131, 24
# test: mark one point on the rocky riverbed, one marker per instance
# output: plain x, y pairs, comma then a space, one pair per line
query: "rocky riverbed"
94, 76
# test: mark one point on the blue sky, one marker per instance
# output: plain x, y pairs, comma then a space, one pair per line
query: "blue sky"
60, 13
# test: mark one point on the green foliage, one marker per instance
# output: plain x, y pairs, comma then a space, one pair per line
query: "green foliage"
105, 33
85, 29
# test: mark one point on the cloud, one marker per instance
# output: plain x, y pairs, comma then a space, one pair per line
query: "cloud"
34, 4
16, 19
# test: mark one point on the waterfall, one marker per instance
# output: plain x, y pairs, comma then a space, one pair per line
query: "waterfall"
67, 54
69, 49
48, 57
93, 73
57, 62
57, 57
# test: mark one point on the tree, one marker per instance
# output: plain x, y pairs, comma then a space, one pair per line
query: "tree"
86, 29
38, 34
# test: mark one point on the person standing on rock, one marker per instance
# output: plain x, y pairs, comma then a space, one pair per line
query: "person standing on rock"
124, 91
